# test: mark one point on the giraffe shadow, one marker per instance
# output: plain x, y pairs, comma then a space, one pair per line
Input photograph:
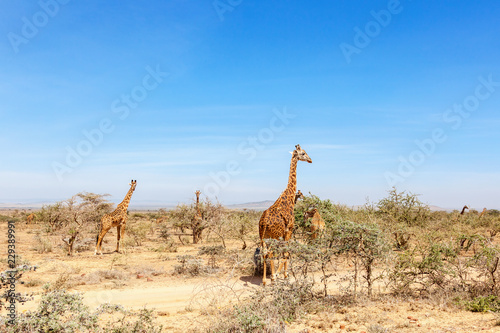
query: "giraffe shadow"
252, 279
110, 252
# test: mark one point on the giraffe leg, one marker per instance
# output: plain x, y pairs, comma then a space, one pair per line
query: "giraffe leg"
283, 265
98, 249
280, 267
264, 271
264, 259
273, 272
123, 231
118, 236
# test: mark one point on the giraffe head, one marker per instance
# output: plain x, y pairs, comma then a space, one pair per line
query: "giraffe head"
299, 195
310, 213
133, 183
197, 193
301, 154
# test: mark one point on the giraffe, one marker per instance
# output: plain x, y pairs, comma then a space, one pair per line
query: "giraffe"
278, 220
317, 222
298, 196
161, 219
30, 218
463, 210
196, 223
483, 212
198, 213
117, 218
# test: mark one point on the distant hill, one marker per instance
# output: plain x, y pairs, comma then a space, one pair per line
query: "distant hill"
436, 208
260, 205
152, 205
263, 205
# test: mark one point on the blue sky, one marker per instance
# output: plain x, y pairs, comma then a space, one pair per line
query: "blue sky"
212, 95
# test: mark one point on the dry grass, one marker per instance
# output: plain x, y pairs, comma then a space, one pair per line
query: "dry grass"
214, 295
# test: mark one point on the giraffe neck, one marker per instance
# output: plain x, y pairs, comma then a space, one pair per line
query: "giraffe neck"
197, 203
292, 178
126, 201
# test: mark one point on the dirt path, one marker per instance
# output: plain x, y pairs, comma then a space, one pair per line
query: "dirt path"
169, 299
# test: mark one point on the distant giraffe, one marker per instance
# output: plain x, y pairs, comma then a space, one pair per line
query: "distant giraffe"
161, 219
30, 218
463, 210
298, 196
277, 222
482, 213
317, 222
117, 218
196, 223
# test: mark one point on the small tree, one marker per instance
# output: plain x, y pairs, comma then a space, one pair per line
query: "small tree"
79, 214
401, 212
404, 208
365, 243
213, 218
243, 225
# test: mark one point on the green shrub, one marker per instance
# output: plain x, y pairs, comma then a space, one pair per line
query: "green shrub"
61, 312
189, 265
58, 311
213, 252
138, 231
365, 243
267, 309
484, 304
404, 208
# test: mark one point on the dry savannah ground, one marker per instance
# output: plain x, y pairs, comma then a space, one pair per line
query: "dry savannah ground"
191, 289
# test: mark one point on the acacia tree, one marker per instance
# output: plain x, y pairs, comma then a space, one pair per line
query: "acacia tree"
213, 218
364, 243
77, 215
182, 218
402, 211
242, 224
403, 207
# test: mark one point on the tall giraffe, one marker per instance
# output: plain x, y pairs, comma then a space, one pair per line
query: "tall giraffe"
483, 212
117, 218
463, 210
278, 220
197, 220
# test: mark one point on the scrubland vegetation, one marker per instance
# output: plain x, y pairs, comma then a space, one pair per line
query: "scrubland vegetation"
395, 248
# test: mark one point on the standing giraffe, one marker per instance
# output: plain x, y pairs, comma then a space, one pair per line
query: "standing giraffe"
278, 220
483, 212
197, 221
317, 222
161, 219
463, 210
30, 218
117, 218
